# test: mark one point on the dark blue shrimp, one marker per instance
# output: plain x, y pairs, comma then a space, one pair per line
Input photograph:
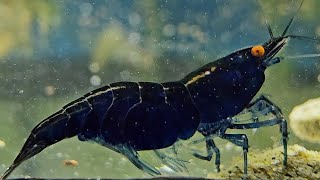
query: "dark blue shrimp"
125, 117
133, 116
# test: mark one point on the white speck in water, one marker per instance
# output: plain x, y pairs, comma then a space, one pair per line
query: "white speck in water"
134, 19
21, 91
169, 30
125, 75
134, 38
95, 80
94, 67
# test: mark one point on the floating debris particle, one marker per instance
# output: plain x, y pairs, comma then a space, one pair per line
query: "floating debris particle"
267, 164
72, 163
134, 38
2, 144
169, 30
305, 120
94, 67
49, 90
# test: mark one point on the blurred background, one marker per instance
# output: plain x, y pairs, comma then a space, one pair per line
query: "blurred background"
52, 52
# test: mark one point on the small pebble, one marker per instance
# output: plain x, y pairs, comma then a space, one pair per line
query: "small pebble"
305, 120
72, 163
275, 161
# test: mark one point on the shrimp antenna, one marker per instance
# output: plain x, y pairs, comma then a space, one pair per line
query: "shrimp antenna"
303, 56
298, 36
267, 24
269, 29
304, 38
291, 20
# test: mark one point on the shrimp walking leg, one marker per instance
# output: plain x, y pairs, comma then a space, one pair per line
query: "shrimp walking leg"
211, 148
174, 163
239, 140
133, 156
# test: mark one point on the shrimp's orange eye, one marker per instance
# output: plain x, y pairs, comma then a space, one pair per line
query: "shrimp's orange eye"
257, 51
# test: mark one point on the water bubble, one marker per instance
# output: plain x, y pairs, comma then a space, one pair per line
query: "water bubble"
21, 91
95, 80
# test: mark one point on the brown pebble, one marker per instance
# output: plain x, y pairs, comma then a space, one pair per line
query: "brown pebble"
72, 163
